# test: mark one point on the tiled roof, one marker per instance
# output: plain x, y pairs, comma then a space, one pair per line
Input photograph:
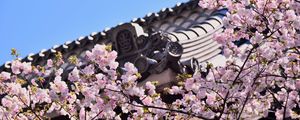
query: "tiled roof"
186, 23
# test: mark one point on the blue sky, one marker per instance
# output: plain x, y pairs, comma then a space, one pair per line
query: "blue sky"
33, 25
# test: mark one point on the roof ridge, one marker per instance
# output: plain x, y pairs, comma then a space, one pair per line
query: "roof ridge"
96, 36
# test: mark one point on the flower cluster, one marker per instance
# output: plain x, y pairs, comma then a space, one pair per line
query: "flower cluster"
94, 89
261, 79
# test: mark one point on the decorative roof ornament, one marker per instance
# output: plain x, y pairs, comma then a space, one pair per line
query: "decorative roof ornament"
151, 53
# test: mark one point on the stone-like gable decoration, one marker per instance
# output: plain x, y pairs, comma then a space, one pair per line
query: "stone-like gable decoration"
176, 36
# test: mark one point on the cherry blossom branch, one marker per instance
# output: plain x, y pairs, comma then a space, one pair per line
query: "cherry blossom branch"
234, 81
97, 115
284, 108
248, 94
161, 108
214, 92
29, 107
274, 75
5, 114
172, 110
274, 97
64, 109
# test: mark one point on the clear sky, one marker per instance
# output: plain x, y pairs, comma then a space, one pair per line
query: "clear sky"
33, 25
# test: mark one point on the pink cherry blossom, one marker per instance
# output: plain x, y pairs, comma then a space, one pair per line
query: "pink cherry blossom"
130, 69
147, 100
16, 67
26, 67
208, 4
59, 86
41, 95
5, 75
88, 70
74, 75
49, 63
